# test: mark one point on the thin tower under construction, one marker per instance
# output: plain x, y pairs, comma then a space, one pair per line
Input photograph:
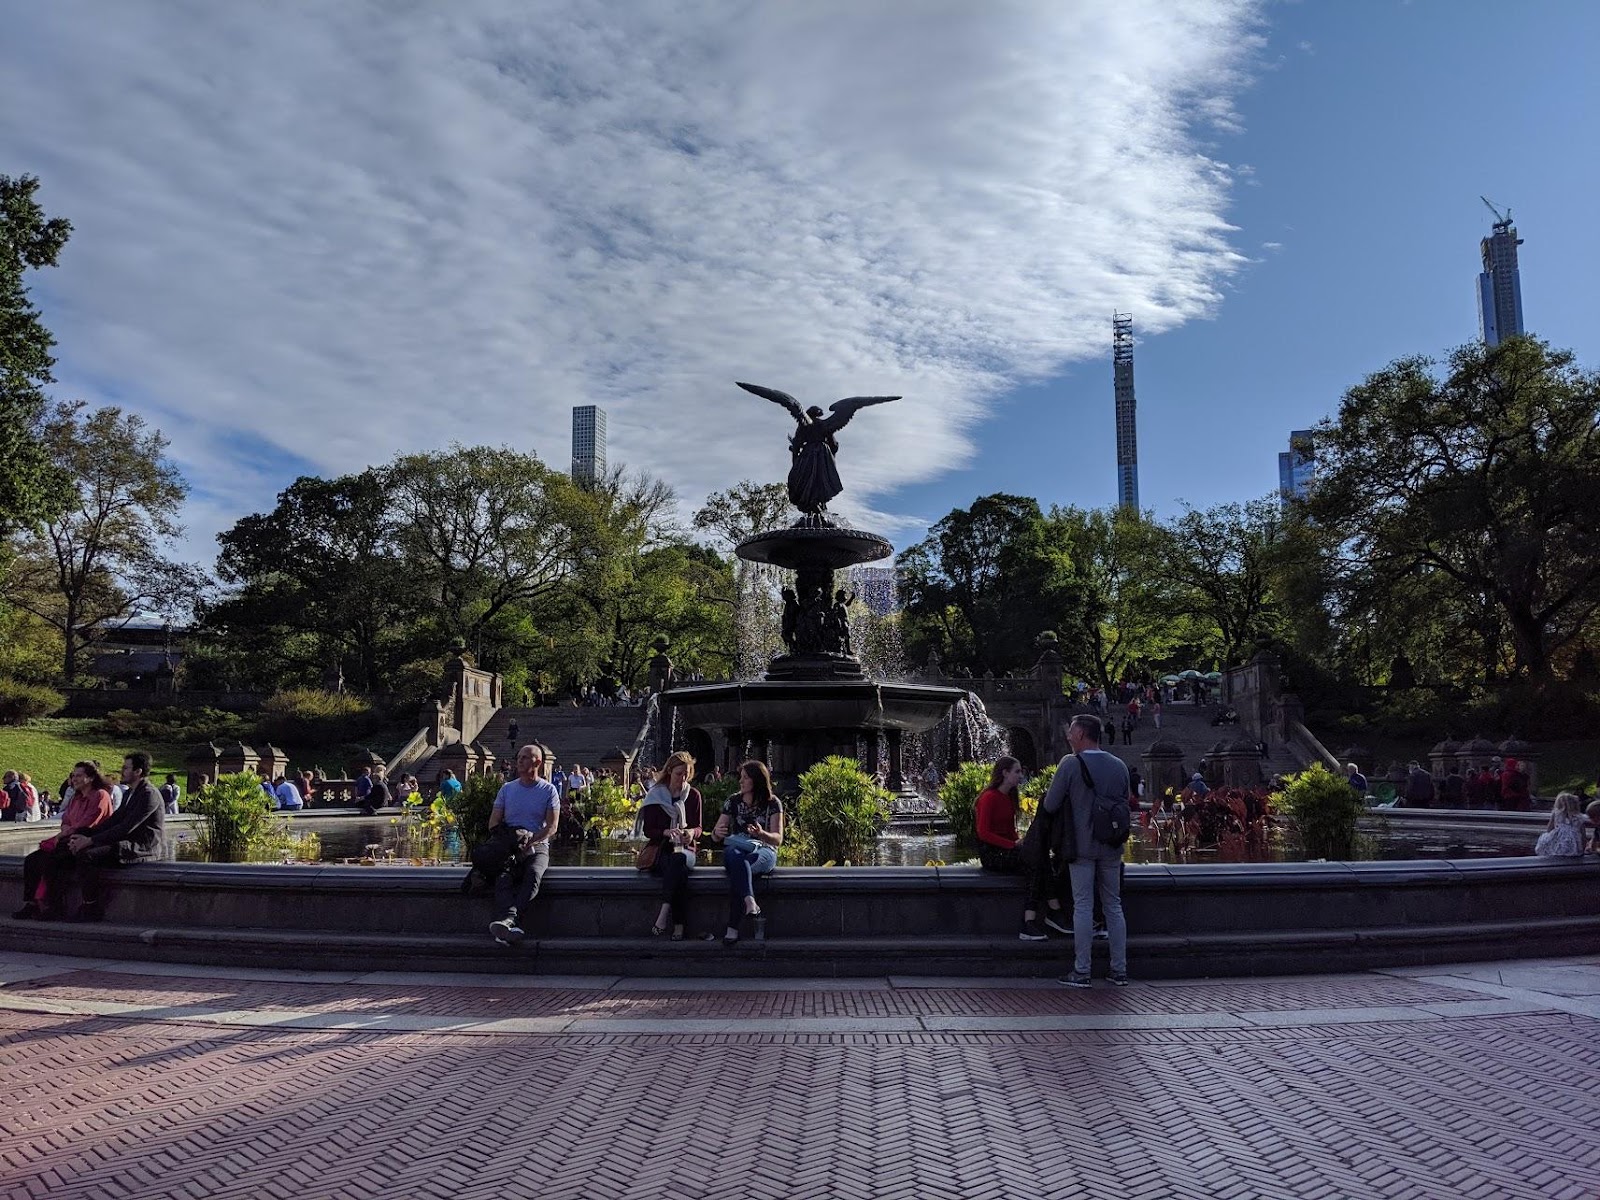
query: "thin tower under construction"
1127, 427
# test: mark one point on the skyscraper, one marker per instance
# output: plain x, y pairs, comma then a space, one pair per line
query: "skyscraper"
588, 443
1296, 465
1127, 431
1499, 284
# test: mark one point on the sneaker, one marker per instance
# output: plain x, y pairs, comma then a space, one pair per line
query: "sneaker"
1074, 980
1053, 919
1102, 934
506, 930
1119, 979
28, 912
1032, 931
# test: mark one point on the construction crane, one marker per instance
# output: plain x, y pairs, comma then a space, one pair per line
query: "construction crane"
1501, 220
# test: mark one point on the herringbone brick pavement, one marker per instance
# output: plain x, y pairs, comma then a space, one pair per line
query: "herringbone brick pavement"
1503, 1106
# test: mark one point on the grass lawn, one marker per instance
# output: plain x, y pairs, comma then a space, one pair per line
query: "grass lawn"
47, 748
1563, 766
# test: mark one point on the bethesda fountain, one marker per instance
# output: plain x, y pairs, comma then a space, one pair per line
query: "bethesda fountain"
814, 699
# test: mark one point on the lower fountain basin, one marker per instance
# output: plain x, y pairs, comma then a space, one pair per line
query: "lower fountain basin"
779, 706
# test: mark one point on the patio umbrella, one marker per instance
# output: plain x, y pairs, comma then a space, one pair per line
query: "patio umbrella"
1188, 674
1213, 675
1169, 679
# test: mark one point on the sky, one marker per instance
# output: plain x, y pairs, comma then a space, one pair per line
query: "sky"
309, 237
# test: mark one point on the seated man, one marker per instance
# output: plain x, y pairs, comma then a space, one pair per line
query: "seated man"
527, 802
285, 794
133, 833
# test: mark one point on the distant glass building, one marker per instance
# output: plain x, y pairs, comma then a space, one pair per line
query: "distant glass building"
1296, 465
1127, 428
1499, 284
588, 443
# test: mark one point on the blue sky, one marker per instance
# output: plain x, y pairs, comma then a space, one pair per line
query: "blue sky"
1372, 132
310, 238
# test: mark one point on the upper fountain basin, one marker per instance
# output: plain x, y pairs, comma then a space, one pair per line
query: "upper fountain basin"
814, 546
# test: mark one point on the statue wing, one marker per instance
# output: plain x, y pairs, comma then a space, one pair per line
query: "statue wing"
843, 410
777, 397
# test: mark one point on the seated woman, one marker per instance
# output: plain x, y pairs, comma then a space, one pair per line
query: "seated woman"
750, 830
1563, 836
671, 817
997, 851
88, 804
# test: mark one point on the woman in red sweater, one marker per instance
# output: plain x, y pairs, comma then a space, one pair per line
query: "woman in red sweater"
997, 850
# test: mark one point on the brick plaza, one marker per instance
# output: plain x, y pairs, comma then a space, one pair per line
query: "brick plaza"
146, 1080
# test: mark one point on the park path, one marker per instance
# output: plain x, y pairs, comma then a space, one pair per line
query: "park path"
158, 1080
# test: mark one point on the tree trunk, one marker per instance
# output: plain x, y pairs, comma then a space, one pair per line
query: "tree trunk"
1527, 637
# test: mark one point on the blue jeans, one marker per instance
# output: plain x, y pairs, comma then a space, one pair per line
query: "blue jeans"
1088, 874
743, 865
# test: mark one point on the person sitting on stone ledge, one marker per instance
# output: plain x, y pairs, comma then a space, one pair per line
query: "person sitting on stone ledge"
996, 818
671, 818
88, 804
132, 834
285, 795
750, 830
527, 803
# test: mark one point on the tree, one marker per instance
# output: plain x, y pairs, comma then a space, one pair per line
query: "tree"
317, 583
98, 562
481, 530
985, 583
1223, 557
1130, 614
744, 509
1488, 478
28, 241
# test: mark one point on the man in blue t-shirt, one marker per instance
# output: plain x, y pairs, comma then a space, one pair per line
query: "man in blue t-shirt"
532, 803
449, 786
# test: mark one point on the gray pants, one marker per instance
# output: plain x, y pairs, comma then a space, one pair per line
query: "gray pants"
1103, 874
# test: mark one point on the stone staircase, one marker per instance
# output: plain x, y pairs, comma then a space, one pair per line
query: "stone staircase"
574, 735
1192, 732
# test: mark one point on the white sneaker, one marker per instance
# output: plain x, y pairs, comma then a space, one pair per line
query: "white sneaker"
506, 930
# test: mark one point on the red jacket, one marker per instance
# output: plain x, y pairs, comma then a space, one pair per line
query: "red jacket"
997, 819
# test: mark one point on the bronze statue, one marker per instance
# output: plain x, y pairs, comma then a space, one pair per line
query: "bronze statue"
813, 478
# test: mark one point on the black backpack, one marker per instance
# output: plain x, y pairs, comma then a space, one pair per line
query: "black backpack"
1110, 818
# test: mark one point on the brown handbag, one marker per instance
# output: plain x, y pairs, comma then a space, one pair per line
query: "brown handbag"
645, 857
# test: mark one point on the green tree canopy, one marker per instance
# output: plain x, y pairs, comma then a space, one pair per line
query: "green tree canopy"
1484, 480
28, 240
99, 562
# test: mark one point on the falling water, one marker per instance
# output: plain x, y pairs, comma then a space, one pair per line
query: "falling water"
757, 618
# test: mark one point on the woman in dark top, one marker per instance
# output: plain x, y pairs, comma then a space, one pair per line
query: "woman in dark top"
750, 830
671, 816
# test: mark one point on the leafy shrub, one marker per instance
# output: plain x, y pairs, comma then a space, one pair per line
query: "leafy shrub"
302, 716
1550, 711
607, 810
234, 813
959, 795
715, 792
1325, 808
1234, 820
21, 701
1033, 791
473, 807
841, 808
174, 726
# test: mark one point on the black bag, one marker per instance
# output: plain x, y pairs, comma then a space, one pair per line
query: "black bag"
1110, 818
505, 846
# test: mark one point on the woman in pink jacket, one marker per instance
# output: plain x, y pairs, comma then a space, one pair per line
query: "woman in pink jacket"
88, 805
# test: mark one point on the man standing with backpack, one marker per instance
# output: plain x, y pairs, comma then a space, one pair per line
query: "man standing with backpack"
1091, 786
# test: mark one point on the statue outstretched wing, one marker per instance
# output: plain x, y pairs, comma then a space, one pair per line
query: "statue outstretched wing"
777, 397
843, 410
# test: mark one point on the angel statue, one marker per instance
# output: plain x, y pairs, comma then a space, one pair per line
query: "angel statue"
813, 479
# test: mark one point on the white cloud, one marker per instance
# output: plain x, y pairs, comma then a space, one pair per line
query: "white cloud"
316, 234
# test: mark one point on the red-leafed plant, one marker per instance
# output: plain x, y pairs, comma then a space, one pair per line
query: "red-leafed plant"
1234, 820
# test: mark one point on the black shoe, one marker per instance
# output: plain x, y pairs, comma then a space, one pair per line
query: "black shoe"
1032, 931
28, 912
1074, 980
1053, 919
1119, 979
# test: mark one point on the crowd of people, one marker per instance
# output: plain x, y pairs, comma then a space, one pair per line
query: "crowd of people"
1070, 861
